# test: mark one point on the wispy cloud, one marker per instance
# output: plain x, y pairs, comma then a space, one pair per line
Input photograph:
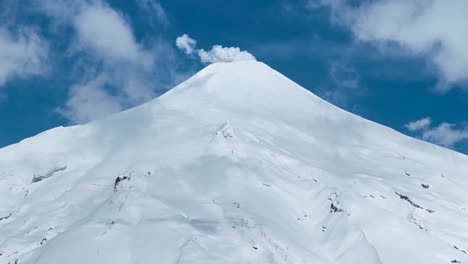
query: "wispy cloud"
104, 32
155, 11
430, 28
22, 53
344, 75
89, 101
113, 69
342, 86
217, 53
419, 124
445, 134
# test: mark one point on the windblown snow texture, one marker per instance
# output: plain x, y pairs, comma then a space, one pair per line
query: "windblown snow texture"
236, 165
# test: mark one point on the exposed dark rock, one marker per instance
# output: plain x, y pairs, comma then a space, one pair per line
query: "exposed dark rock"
38, 178
5, 217
118, 180
334, 209
43, 241
406, 198
422, 228
459, 249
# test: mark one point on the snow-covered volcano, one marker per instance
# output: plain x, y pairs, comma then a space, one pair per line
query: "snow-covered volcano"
236, 165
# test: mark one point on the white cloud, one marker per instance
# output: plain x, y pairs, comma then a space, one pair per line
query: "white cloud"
186, 44
224, 54
344, 75
90, 101
127, 65
431, 28
108, 91
156, 9
342, 86
445, 134
419, 124
100, 30
62, 11
114, 69
217, 53
105, 32
21, 54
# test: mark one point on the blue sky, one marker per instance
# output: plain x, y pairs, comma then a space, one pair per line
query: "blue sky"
401, 63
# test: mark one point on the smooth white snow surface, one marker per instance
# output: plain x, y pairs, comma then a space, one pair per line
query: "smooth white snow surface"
236, 165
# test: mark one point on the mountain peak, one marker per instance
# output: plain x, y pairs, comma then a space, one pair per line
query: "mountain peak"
234, 66
245, 87
236, 165
239, 76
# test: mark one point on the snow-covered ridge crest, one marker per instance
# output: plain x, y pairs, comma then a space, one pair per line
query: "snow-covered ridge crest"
236, 165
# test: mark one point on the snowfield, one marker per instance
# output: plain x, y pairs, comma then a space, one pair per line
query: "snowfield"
236, 165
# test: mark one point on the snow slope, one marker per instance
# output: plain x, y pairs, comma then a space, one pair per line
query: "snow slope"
236, 165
